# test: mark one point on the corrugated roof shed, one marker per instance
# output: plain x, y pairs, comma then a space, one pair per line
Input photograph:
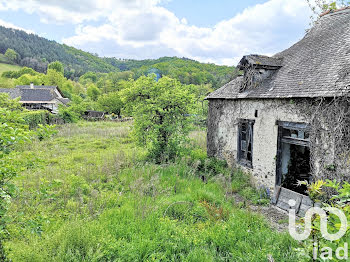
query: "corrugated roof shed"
316, 66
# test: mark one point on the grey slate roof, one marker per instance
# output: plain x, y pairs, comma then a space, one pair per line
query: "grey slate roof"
38, 94
12, 92
316, 66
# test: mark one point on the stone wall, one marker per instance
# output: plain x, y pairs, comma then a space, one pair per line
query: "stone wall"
223, 132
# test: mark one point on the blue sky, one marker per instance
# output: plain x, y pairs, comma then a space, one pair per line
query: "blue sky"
209, 31
208, 13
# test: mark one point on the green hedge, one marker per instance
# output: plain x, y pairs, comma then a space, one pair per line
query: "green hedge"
34, 118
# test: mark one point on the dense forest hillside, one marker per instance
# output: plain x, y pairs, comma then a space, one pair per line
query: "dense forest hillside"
36, 52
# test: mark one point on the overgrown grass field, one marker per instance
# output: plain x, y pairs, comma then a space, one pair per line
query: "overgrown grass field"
88, 194
7, 67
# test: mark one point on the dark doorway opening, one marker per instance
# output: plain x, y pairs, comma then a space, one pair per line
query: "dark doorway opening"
293, 156
295, 167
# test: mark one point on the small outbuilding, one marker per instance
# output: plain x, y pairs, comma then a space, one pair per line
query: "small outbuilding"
38, 97
287, 118
96, 115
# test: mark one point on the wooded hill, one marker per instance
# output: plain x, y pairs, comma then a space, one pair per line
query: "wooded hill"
36, 52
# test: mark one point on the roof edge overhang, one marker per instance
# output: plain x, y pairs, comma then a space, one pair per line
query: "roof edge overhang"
37, 102
275, 97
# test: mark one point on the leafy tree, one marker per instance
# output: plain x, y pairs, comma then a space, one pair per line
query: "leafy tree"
78, 89
190, 72
126, 75
160, 109
116, 78
93, 92
27, 79
88, 77
201, 105
111, 103
54, 78
11, 55
67, 88
34, 63
105, 85
122, 84
57, 66
6, 83
320, 6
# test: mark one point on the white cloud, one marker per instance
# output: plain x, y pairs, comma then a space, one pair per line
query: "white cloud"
144, 29
10, 25
75, 11
91, 34
264, 29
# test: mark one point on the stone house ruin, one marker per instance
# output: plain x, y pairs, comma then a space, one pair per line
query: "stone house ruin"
286, 119
38, 97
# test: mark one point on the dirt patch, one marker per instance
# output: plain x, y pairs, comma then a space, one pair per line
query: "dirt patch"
277, 218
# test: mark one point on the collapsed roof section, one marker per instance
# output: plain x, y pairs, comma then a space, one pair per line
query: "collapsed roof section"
260, 61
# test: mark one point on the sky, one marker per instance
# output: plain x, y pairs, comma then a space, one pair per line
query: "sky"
219, 31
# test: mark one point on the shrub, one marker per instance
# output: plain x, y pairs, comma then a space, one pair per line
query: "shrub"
339, 200
11, 104
45, 131
34, 118
68, 114
19, 73
208, 167
12, 132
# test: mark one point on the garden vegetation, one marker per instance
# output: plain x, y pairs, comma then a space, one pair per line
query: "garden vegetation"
90, 194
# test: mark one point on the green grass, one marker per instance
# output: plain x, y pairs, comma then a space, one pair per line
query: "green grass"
7, 67
88, 195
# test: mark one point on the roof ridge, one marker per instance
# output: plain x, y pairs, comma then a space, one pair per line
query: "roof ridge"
346, 8
43, 86
315, 66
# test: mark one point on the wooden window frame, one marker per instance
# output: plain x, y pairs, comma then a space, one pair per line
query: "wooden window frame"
242, 155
